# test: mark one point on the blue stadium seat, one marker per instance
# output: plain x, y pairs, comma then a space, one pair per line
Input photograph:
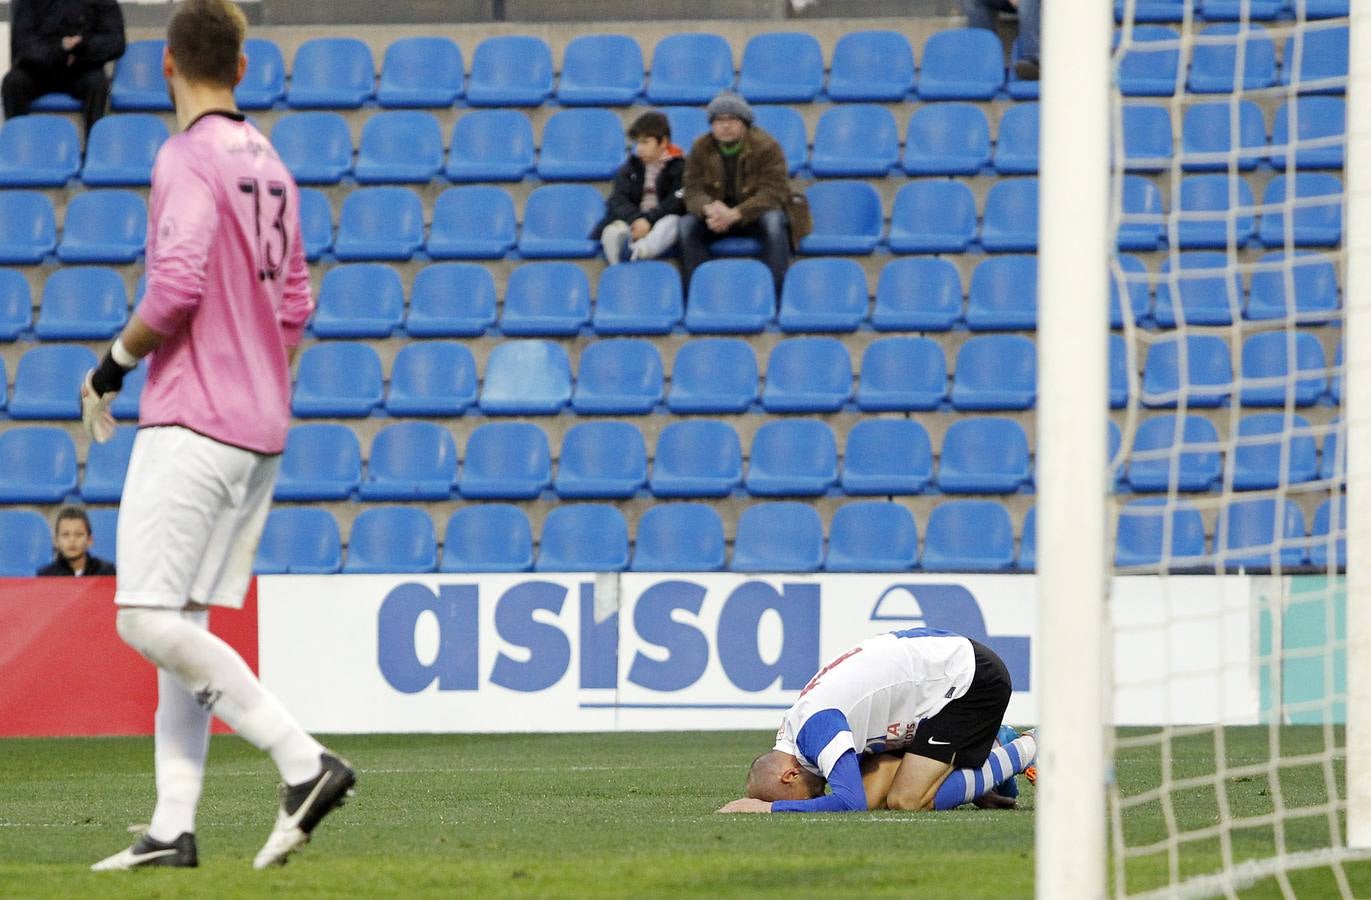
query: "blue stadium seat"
644, 298
601, 460
28, 228
1004, 294
792, 457
689, 68
1262, 441
37, 464
808, 374
1335, 388
381, 223
1210, 138
871, 66
333, 72
1214, 60
1266, 369
104, 530
299, 540
679, 537
1333, 460
1142, 527
600, 70
1218, 10
823, 295
887, 456
872, 536
1315, 284
103, 227
487, 537
47, 382
432, 378
1209, 203
399, 146
391, 539
82, 303
1322, 60
1317, 218
120, 149
1114, 445
1017, 87
781, 67
1319, 552
1118, 372
697, 458
526, 377
1028, 542
1320, 121
451, 300
58, 103
421, 72
984, 455
410, 461
1251, 538
38, 151
472, 222
621, 376
25, 543
996, 371
730, 296
359, 300
788, 128
583, 537
1149, 71
106, 466
855, 141
16, 307
933, 217
1319, 9
779, 537
506, 461
322, 461
491, 145
962, 64
1160, 440
847, 218
337, 379
969, 536
1206, 377
510, 70
581, 145
558, 219
138, 81
689, 122
316, 223
917, 294
1147, 143
1016, 144
713, 375
1011, 216
948, 139
546, 298
264, 82
125, 406
1143, 223
902, 374
1210, 290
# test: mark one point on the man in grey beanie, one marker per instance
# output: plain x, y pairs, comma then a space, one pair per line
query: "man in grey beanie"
735, 185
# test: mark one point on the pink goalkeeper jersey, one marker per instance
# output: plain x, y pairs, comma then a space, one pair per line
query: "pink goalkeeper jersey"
227, 285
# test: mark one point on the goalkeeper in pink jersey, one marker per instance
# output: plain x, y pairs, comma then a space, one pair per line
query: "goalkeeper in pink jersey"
227, 299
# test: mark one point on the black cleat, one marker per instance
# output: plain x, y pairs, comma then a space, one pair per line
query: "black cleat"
148, 851
302, 808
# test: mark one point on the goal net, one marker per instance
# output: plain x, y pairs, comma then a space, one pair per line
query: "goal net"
1232, 204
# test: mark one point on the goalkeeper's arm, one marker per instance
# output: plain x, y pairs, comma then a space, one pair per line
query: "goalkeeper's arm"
103, 382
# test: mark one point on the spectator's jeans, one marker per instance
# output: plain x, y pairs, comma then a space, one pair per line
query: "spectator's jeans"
772, 228
985, 13
22, 86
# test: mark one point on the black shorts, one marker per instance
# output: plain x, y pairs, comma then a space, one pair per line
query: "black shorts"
964, 731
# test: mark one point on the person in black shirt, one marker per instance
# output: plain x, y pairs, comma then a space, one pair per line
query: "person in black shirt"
72, 537
61, 47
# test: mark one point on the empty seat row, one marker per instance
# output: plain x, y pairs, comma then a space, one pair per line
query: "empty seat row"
99, 227
1222, 10
1203, 288
1150, 63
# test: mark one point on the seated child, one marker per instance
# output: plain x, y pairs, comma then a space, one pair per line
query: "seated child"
646, 203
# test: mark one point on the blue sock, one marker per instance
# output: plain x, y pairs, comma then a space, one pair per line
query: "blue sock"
964, 785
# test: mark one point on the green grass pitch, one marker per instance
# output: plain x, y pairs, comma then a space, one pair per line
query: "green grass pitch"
579, 815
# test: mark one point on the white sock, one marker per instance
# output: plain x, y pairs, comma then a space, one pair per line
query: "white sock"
222, 684
182, 738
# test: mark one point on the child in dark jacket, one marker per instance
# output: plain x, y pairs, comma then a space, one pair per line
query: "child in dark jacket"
646, 204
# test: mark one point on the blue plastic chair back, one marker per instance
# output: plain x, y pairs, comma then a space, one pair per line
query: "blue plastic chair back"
1321, 121
984, 455
120, 150
103, 227
808, 374
316, 223
487, 537
874, 66
37, 465
432, 378
451, 300
299, 540
601, 70
1210, 291
410, 461
106, 466
472, 222
546, 298
1016, 147
506, 460
823, 295
969, 536
264, 82
713, 375
950, 139
847, 218
586, 537
491, 145
996, 371
1210, 137
1011, 217
1214, 60
601, 460
689, 68
25, 543
389, 539
1266, 369
47, 382
331, 73
1206, 377
28, 227
855, 141
1004, 294
581, 145
872, 536
918, 294
792, 457
337, 379
421, 72
887, 456
322, 461
933, 217
618, 377
697, 458
962, 64
1192, 444
380, 223
139, 84
526, 377
679, 537
902, 374
781, 67
399, 146
359, 300
644, 298
558, 219
1141, 536
779, 537
510, 70
788, 128
84, 303
730, 296
38, 151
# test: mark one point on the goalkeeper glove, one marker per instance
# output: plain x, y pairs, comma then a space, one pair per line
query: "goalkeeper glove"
100, 387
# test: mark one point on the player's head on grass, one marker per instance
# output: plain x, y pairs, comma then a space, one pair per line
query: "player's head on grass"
779, 776
204, 47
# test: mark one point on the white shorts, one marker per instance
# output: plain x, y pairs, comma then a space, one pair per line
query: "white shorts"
192, 513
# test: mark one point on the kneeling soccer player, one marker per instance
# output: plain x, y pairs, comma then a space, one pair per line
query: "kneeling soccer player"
937, 696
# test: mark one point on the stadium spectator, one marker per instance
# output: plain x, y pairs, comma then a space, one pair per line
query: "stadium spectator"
61, 47
986, 14
72, 538
644, 208
736, 185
